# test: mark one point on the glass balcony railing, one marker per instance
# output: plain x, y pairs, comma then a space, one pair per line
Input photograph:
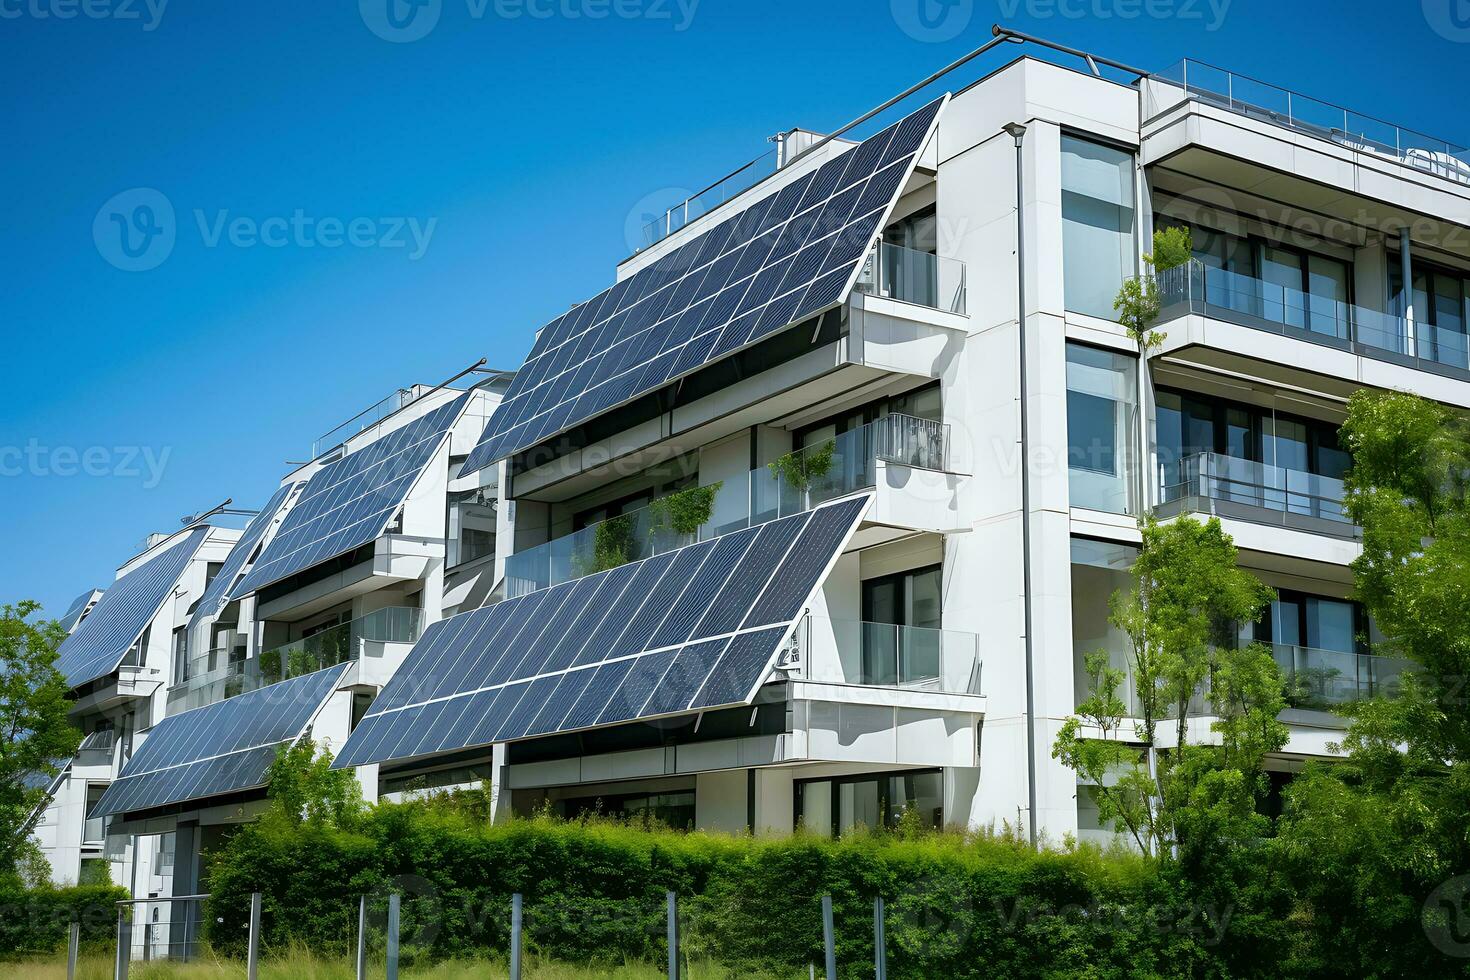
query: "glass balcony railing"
1272, 493
1247, 96
341, 643
1220, 293
835, 651
913, 276
842, 465
1322, 679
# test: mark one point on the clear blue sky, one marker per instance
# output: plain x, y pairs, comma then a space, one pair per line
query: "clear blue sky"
527, 134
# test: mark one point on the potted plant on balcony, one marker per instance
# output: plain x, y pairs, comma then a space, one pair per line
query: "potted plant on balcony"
797, 469
1137, 303
684, 512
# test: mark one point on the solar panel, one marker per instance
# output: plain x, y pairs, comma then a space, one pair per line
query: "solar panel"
352, 500
73, 614
216, 595
224, 747
785, 258
688, 630
122, 614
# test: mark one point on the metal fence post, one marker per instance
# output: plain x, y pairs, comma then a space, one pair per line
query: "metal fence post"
880, 942
124, 946
252, 961
828, 939
362, 938
73, 940
673, 914
392, 971
515, 936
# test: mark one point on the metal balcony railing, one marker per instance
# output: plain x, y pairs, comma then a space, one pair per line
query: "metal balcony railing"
844, 464
1197, 288
1250, 97
837, 651
913, 276
740, 179
1274, 493
1321, 679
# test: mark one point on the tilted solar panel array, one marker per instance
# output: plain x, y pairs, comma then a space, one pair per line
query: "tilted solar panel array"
224, 747
216, 596
351, 501
785, 258
124, 611
73, 614
689, 630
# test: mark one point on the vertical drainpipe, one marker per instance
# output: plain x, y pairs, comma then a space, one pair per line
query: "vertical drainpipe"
1406, 267
1018, 132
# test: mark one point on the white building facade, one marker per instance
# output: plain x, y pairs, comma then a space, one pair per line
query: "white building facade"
886, 671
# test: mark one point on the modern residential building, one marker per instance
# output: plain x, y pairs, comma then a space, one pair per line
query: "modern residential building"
771, 532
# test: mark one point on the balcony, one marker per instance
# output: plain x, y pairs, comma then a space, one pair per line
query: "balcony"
845, 464
1247, 301
911, 276
863, 654
340, 644
1268, 103
1320, 680
1226, 486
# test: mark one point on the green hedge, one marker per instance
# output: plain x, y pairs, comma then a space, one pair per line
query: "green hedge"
958, 906
35, 921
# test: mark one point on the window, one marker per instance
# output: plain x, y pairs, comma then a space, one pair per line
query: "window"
181, 654
1100, 428
1099, 569
901, 643
836, 806
471, 531
1098, 252
673, 809
1440, 311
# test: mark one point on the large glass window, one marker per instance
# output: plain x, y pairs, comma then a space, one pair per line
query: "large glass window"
1440, 312
836, 806
1099, 569
1100, 428
471, 526
901, 623
1098, 250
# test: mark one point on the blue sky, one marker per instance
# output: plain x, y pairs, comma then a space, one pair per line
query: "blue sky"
521, 138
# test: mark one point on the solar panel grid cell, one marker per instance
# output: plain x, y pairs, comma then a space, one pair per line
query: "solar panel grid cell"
660, 300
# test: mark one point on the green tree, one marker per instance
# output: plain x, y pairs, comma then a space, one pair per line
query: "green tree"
36, 736
1372, 840
1180, 619
304, 788
1137, 302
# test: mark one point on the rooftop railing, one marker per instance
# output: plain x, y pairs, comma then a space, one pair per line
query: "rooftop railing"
738, 180
805, 479
1255, 99
364, 419
912, 276
837, 651
1210, 291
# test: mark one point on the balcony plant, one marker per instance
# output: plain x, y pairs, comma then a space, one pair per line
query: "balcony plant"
1137, 303
684, 512
797, 469
612, 545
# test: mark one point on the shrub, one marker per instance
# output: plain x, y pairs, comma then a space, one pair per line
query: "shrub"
36, 921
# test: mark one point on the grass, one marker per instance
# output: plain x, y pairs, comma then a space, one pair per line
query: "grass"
304, 965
